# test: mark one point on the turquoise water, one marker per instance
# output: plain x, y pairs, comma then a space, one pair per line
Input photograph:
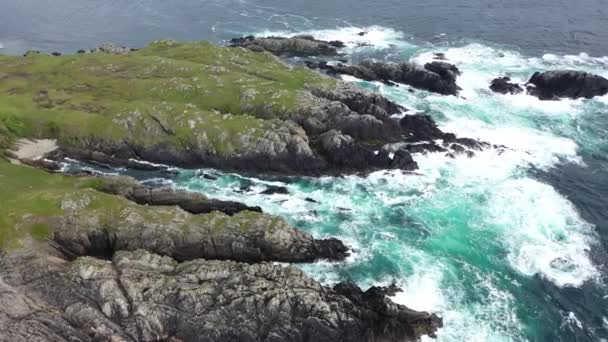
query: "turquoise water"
480, 240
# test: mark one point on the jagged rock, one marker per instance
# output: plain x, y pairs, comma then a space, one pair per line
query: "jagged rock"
192, 202
140, 296
342, 150
302, 45
438, 77
550, 85
445, 70
504, 86
245, 236
421, 127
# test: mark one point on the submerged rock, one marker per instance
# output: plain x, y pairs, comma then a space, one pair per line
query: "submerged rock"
272, 189
503, 85
550, 85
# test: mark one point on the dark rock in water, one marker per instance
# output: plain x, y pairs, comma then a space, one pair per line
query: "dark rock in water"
467, 142
425, 148
439, 56
421, 127
192, 202
403, 160
272, 190
56, 54
362, 33
445, 70
504, 86
457, 148
550, 85
142, 296
438, 77
337, 44
308, 199
81, 51
303, 45
245, 188
209, 177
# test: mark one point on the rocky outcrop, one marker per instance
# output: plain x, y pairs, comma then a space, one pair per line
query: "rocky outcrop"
192, 202
344, 151
141, 296
438, 77
246, 236
550, 85
302, 45
503, 85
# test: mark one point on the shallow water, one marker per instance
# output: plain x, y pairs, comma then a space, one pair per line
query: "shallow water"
504, 246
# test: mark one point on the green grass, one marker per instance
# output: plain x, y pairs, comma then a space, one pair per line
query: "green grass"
31, 204
188, 88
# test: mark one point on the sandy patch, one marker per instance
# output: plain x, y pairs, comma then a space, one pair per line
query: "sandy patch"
33, 149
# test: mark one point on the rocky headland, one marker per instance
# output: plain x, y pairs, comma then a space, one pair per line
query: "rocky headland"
86, 258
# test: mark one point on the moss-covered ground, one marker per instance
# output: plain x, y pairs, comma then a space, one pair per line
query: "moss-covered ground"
168, 92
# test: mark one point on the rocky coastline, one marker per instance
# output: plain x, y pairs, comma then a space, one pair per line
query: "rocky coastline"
114, 260
110, 259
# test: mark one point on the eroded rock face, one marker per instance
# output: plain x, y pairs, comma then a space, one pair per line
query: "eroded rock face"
246, 236
302, 45
140, 296
572, 84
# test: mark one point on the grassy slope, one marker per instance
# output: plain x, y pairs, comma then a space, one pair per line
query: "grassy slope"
33, 201
196, 91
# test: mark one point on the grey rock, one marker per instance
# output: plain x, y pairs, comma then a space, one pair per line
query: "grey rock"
140, 296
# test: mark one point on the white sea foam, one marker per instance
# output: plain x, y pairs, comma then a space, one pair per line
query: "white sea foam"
543, 232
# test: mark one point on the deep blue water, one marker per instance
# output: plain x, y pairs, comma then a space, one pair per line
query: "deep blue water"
536, 27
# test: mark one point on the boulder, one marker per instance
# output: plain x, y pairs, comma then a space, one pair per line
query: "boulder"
550, 85
503, 85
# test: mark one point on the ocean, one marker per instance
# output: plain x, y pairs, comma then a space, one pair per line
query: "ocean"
505, 246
